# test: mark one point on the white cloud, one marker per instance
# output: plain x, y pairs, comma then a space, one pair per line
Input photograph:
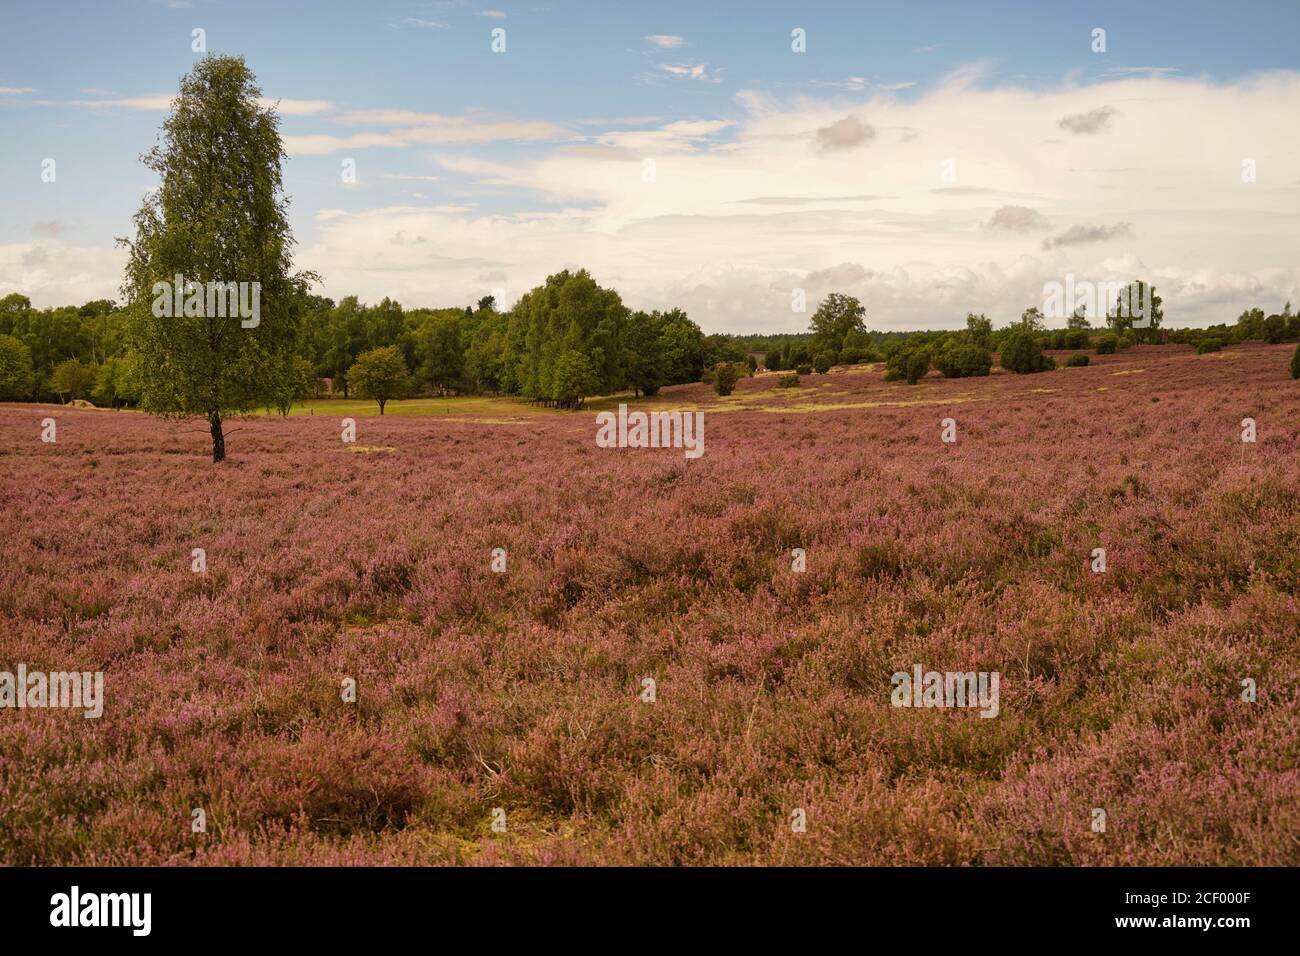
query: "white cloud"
919, 250
746, 205
665, 41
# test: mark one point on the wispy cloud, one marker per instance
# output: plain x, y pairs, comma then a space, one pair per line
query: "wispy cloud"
665, 41
1084, 235
418, 23
163, 101
693, 71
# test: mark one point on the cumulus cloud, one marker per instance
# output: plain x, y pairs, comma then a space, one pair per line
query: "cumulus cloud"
1083, 235
845, 133
695, 236
1093, 121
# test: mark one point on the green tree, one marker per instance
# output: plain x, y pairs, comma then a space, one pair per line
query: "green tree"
380, 374
1136, 302
835, 318
1021, 353
219, 215
1031, 320
73, 380
17, 378
647, 358
724, 378
571, 379
772, 360
980, 329
1295, 362
1078, 319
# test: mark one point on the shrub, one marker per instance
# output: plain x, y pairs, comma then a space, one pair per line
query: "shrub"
823, 362
751, 364
803, 368
1077, 360
1022, 354
1127, 340
1209, 345
788, 380
772, 361
910, 361
962, 360
1295, 363
1107, 344
724, 378
1077, 339
708, 375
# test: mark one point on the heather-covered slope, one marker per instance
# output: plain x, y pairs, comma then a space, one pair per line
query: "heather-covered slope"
1119, 691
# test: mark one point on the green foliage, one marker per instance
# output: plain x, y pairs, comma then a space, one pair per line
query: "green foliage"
17, 379
1078, 321
823, 362
955, 358
1022, 354
803, 368
724, 378
772, 360
1078, 360
791, 379
979, 329
219, 215
910, 361
73, 380
1209, 345
116, 382
1129, 305
1295, 362
1108, 344
380, 374
836, 318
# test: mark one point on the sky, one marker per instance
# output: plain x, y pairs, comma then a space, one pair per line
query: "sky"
930, 158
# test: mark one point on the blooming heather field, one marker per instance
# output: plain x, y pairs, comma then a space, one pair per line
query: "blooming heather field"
1119, 691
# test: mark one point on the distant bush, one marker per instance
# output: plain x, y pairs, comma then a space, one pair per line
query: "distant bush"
910, 361
803, 368
1022, 354
724, 378
1295, 363
1107, 344
788, 380
823, 362
1209, 345
751, 363
772, 360
1078, 359
962, 360
1127, 340
1076, 339
708, 375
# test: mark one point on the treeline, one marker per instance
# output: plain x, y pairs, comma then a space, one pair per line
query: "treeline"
565, 341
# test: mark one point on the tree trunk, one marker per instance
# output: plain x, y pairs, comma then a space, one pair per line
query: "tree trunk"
381, 406
218, 437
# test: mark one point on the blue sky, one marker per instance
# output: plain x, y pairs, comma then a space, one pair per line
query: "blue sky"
459, 148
